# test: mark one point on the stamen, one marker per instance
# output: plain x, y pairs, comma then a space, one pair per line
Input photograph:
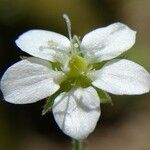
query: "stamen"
76, 45
65, 68
68, 23
77, 39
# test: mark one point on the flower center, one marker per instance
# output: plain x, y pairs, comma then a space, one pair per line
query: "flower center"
77, 74
77, 67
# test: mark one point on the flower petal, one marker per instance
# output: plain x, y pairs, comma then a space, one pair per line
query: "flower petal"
122, 77
107, 42
77, 112
37, 61
43, 44
27, 82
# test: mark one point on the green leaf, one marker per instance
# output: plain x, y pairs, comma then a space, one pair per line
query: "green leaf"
104, 97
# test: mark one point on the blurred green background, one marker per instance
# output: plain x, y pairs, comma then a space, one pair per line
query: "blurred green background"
123, 126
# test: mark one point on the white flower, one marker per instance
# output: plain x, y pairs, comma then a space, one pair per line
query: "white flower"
71, 72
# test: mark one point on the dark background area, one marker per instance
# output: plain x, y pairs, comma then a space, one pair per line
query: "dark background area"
123, 126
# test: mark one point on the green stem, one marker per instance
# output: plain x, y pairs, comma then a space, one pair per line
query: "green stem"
77, 145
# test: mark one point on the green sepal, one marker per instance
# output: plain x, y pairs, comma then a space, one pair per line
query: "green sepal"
122, 56
99, 65
56, 66
104, 96
49, 102
76, 39
48, 105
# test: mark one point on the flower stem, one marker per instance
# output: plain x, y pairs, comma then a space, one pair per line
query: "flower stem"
77, 145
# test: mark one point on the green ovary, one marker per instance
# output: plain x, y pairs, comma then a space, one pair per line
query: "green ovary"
77, 67
76, 76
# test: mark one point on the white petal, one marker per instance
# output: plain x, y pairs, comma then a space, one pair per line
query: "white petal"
36, 43
122, 77
37, 61
107, 42
27, 82
77, 112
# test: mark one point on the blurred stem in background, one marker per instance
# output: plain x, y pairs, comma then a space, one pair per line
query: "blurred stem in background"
77, 145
